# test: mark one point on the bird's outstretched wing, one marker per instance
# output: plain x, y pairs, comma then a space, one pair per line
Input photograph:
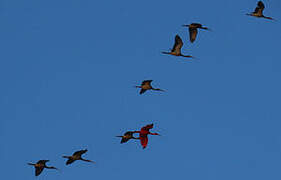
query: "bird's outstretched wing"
69, 161
142, 91
38, 170
177, 45
147, 127
260, 7
146, 82
192, 34
79, 153
129, 133
144, 141
126, 137
42, 161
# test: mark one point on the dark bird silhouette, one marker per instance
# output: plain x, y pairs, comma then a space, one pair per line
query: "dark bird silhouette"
259, 11
146, 85
76, 156
143, 134
176, 51
40, 165
193, 30
127, 136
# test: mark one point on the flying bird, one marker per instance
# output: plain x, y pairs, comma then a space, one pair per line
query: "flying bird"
146, 85
76, 156
40, 165
143, 134
259, 11
127, 136
192, 28
176, 51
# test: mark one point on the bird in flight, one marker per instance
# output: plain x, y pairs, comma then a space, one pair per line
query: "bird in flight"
146, 85
76, 156
259, 11
192, 28
143, 134
176, 51
40, 165
127, 136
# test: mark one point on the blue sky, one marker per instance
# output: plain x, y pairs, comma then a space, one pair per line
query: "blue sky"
67, 73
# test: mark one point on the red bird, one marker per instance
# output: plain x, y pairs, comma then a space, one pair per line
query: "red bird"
143, 134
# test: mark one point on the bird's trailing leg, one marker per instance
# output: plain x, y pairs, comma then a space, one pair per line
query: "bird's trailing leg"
154, 134
86, 160
157, 89
52, 167
166, 52
188, 56
269, 18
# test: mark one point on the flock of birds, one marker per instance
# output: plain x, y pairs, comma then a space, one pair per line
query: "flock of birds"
146, 85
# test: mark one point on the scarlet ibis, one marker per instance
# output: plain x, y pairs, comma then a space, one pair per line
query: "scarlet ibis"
143, 134
259, 11
192, 28
176, 51
76, 156
40, 165
127, 136
146, 85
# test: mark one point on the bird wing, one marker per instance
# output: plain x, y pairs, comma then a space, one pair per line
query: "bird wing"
192, 34
79, 153
260, 7
129, 133
42, 161
127, 136
147, 127
38, 170
69, 161
124, 139
144, 141
142, 91
146, 82
177, 45
196, 25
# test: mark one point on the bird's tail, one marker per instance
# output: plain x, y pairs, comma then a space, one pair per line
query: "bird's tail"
31, 164
65, 156
118, 136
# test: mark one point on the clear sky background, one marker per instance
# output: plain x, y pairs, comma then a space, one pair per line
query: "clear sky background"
67, 71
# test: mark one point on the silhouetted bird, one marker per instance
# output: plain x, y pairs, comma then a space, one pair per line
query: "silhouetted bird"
176, 51
40, 165
143, 134
76, 156
127, 136
259, 11
193, 30
146, 85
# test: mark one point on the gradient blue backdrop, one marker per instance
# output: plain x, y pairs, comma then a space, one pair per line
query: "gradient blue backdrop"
67, 71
